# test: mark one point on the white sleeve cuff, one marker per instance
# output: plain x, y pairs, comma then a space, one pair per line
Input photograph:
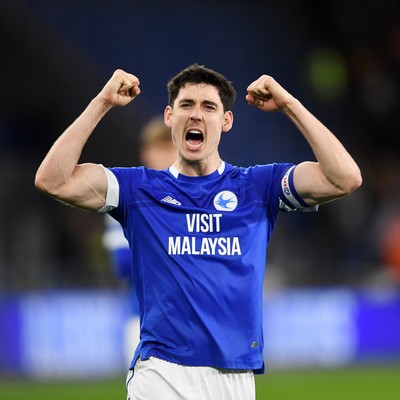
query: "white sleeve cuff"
112, 198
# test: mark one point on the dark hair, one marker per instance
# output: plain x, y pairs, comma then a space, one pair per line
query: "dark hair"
200, 74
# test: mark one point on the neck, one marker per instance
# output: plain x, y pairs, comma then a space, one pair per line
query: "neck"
197, 168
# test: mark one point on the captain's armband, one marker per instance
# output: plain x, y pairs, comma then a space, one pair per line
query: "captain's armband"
290, 200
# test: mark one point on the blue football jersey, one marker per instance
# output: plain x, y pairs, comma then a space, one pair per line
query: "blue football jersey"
198, 255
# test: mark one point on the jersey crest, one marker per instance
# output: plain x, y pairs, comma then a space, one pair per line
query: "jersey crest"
225, 201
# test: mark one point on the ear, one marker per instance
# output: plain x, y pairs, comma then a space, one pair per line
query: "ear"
228, 121
168, 116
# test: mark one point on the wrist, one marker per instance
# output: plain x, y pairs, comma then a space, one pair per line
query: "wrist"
292, 107
100, 105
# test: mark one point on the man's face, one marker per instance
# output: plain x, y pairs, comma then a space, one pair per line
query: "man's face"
197, 119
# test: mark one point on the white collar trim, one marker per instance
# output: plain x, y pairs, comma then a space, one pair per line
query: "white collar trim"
175, 172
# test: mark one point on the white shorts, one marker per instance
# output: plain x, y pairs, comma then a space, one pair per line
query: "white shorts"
156, 379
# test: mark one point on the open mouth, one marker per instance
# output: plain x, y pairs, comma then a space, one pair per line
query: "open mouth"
194, 139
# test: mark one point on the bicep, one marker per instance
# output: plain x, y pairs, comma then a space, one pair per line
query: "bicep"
312, 185
87, 187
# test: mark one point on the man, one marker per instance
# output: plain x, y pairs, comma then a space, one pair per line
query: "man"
198, 231
156, 151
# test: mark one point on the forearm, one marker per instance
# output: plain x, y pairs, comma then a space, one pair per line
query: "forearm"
337, 167
61, 161
335, 173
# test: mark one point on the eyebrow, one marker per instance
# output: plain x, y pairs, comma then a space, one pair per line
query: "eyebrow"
204, 102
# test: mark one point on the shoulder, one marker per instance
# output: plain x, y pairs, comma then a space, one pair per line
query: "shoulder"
260, 171
136, 173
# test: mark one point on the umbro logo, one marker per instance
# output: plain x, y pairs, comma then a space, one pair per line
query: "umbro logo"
171, 200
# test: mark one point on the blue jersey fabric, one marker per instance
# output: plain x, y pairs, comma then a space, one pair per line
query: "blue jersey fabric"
198, 248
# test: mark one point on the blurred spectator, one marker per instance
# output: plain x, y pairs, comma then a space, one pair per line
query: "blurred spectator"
391, 247
156, 151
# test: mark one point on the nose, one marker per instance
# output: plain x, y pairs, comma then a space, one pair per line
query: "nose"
196, 114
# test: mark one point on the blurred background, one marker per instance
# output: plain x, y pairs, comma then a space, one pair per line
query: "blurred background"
332, 283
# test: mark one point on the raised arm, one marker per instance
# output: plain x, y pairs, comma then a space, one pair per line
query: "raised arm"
60, 175
335, 174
